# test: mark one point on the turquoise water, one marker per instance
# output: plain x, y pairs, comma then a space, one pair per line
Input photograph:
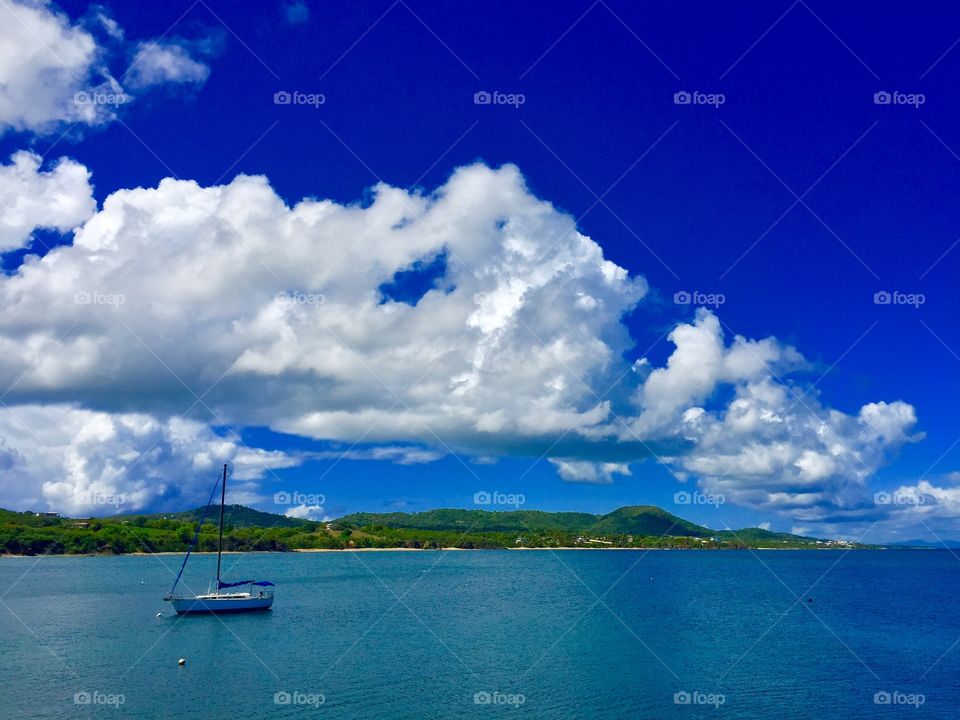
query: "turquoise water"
569, 634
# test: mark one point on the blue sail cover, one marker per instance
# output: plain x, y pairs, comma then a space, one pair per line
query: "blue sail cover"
263, 583
234, 584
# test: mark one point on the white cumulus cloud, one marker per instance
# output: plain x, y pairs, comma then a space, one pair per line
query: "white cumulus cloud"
586, 471
773, 446
155, 63
85, 462
60, 198
306, 512
230, 306
45, 60
498, 354
54, 73
398, 454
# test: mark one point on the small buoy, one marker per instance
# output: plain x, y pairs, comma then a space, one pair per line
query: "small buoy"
181, 662
159, 614
141, 582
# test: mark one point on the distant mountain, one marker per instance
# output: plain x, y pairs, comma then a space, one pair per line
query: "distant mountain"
636, 526
928, 544
646, 520
759, 535
238, 516
476, 521
639, 520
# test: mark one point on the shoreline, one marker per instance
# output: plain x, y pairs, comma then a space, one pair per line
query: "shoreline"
458, 549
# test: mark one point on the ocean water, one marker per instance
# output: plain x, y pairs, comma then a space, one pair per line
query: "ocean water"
484, 634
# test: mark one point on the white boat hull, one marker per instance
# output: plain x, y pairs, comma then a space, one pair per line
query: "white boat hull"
233, 602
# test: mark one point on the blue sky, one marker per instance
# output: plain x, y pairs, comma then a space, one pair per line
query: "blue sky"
797, 199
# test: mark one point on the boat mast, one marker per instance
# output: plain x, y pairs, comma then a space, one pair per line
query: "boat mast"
223, 499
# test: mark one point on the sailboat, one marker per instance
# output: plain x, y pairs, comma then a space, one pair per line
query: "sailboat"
257, 596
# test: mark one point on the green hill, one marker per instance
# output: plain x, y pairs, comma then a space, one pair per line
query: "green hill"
647, 520
238, 516
761, 536
630, 520
475, 521
630, 526
633, 520
637, 526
